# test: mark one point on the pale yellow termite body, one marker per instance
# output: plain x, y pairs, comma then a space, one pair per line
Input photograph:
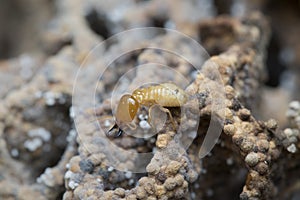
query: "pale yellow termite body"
164, 95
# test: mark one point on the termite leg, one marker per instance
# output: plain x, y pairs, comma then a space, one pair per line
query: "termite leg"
164, 110
170, 115
98, 118
132, 126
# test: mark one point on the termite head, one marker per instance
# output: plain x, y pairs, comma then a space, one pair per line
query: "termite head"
127, 109
125, 113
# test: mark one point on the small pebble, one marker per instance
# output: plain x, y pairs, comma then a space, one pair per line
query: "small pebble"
229, 161
38, 94
144, 124
170, 183
120, 192
173, 167
140, 192
229, 92
128, 174
131, 182
152, 168
72, 112
160, 190
288, 132
68, 166
142, 117
229, 129
292, 148
263, 145
86, 166
107, 123
246, 145
244, 114
33, 144
72, 185
252, 159
295, 105
14, 152
110, 169
44, 134
50, 98
68, 174
272, 124
262, 168
162, 140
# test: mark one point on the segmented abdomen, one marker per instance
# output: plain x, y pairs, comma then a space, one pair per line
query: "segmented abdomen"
167, 94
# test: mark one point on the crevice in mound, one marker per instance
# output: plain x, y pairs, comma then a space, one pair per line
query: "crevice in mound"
43, 142
99, 23
220, 167
159, 21
275, 67
218, 38
119, 179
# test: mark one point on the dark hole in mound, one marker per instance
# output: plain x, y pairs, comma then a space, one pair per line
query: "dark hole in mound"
217, 39
159, 21
275, 67
116, 179
223, 6
52, 121
222, 168
99, 23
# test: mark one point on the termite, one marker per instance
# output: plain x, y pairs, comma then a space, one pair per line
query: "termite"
164, 95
